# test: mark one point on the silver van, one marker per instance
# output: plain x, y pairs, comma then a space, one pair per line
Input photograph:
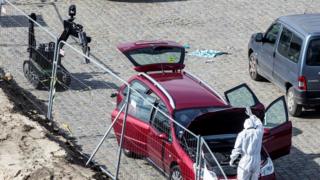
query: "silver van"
288, 54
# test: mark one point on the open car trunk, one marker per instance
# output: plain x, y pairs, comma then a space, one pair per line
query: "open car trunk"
220, 130
228, 121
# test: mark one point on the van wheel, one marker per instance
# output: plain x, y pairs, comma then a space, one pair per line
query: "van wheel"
175, 173
293, 108
253, 71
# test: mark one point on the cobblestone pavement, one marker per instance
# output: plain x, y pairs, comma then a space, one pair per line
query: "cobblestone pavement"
203, 24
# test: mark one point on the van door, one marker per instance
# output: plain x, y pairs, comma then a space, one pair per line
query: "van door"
311, 69
266, 58
287, 55
277, 129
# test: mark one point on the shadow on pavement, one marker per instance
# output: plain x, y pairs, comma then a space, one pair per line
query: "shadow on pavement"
311, 113
88, 81
296, 131
297, 165
146, 1
18, 21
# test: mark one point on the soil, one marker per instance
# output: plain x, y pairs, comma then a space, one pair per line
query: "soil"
32, 147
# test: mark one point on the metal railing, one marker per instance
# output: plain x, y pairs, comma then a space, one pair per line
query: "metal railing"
165, 92
193, 144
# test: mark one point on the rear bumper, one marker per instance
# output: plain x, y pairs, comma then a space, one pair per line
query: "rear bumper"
269, 177
307, 98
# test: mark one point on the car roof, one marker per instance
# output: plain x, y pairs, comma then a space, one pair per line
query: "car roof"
186, 92
304, 23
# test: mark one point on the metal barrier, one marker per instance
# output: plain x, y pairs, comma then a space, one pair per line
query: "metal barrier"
83, 107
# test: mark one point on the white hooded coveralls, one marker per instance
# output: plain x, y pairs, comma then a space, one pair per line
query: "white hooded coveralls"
248, 145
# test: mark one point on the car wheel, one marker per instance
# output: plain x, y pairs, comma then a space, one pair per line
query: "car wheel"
175, 173
129, 153
293, 108
253, 71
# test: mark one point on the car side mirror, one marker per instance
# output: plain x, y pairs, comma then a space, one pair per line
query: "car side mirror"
259, 37
163, 136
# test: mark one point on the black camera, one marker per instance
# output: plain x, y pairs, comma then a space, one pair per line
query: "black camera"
72, 10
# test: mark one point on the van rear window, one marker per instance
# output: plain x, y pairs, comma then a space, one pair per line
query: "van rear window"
313, 56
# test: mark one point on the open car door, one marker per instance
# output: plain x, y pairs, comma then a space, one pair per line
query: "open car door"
242, 96
154, 55
278, 129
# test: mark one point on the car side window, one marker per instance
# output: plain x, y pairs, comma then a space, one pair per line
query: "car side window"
160, 121
140, 105
290, 45
272, 33
241, 96
276, 114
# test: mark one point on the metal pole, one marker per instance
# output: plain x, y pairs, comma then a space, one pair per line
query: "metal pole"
123, 131
198, 157
215, 159
53, 79
1, 3
105, 134
0, 6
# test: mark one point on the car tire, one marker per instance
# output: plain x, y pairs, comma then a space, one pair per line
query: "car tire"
175, 173
253, 71
129, 153
293, 108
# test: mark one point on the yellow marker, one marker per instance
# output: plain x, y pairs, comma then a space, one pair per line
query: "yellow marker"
66, 127
171, 59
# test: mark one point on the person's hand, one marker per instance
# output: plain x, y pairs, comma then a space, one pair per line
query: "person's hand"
231, 163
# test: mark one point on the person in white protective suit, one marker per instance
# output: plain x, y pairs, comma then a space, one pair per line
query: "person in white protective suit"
248, 145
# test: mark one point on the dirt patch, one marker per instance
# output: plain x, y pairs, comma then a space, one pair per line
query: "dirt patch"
31, 146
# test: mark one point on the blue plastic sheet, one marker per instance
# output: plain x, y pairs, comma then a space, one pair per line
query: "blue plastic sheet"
207, 53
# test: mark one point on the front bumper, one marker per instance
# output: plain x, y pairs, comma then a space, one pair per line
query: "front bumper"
307, 98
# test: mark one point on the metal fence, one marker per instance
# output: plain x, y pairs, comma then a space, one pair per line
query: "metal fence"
83, 106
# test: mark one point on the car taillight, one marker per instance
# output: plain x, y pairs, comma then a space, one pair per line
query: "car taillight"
302, 83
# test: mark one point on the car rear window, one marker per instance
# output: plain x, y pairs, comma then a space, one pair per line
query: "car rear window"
313, 54
156, 55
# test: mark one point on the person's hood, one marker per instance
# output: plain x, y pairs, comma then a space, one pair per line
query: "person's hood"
249, 123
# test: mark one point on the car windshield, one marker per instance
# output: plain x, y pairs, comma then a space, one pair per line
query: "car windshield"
156, 55
313, 56
185, 116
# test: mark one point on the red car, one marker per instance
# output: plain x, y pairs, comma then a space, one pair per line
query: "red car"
194, 105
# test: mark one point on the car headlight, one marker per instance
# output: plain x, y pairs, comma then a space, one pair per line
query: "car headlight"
268, 168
